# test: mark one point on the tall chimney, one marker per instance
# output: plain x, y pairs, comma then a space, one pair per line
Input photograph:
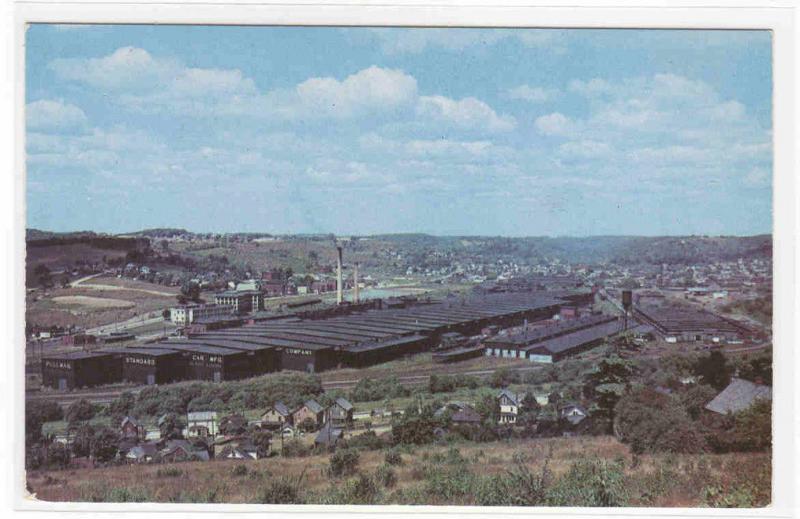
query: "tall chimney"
338, 275
355, 283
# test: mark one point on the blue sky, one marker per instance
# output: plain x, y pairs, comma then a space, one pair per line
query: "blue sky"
358, 130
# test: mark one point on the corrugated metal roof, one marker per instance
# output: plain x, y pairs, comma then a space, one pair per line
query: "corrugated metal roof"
738, 396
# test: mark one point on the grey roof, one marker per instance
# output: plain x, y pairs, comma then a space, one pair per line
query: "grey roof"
514, 398
344, 403
314, 406
281, 409
328, 435
202, 415
129, 419
738, 396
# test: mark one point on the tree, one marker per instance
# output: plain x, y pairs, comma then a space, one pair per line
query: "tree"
80, 411
653, 422
121, 406
489, 408
529, 405
191, 291
104, 444
42, 274
262, 439
171, 426
308, 424
58, 455
695, 398
82, 440
714, 370
606, 385
753, 427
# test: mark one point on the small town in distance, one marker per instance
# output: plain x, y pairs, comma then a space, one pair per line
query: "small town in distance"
365, 359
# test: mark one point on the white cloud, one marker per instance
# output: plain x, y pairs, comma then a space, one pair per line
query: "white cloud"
53, 114
585, 149
532, 94
373, 88
141, 82
468, 113
555, 124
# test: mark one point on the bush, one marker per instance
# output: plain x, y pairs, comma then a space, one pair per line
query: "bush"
80, 411
393, 457
591, 482
295, 449
239, 470
365, 441
169, 472
369, 389
386, 476
343, 462
653, 422
282, 491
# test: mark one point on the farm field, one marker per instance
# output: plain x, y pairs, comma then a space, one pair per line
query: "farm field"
459, 473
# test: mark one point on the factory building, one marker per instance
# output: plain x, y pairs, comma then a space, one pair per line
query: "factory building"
363, 338
211, 362
554, 342
148, 366
187, 314
80, 369
242, 301
691, 325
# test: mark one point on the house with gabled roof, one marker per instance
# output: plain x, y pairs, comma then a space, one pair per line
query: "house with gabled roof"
130, 429
310, 409
738, 396
329, 436
341, 412
276, 415
509, 403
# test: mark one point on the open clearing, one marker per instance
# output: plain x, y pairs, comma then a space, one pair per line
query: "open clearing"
92, 302
651, 480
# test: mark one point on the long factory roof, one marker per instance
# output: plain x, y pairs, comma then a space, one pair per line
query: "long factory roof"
547, 332
676, 320
199, 348
577, 339
378, 328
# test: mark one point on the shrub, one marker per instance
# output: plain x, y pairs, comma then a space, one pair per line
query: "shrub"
653, 422
366, 441
295, 449
239, 470
393, 457
591, 482
282, 491
343, 462
80, 411
169, 472
386, 476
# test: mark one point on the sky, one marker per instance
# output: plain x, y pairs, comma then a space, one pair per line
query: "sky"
514, 132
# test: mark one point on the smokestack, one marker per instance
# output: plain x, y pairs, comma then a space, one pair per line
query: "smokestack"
355, 283
338, 275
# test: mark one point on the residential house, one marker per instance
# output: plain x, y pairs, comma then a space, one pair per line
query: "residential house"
329, 436
573, 413
509, 406
460, 413
310, 409
142, 453
738, 396
130, 429
341, 412
201, 424
183, 450
235, 447
276, 415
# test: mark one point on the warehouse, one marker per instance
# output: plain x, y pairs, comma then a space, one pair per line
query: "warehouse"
557, 348
211, 362
263, 358
80, 369
515, 345
371, 353
149, 366
690, 325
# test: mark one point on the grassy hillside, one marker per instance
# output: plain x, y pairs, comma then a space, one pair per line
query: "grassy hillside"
584, 471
